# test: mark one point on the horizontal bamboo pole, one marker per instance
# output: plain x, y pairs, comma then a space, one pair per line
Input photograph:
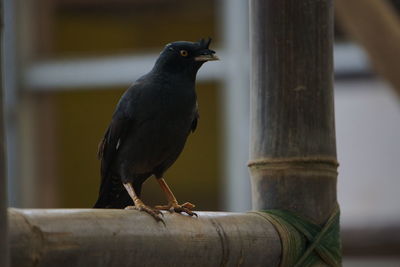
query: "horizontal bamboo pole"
85, 237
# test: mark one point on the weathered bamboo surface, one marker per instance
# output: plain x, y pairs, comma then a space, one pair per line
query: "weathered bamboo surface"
293, 148
73, 237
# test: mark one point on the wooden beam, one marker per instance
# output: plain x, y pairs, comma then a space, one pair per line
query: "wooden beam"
375, 25
372, 241
131, 238
293, 147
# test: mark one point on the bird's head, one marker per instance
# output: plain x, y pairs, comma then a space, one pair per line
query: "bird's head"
185, 56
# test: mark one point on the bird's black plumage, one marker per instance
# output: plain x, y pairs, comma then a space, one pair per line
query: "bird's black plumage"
151, 123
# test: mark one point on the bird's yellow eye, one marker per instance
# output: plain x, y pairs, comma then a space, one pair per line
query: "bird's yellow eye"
184, 53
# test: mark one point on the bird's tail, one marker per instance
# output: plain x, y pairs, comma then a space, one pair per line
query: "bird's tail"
112, 194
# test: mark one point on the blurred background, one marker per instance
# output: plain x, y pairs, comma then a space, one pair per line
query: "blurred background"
67, 62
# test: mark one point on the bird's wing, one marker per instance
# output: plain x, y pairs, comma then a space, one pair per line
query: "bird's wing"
121, 124
112, 193
112, 140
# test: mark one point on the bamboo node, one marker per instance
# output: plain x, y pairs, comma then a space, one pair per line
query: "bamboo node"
290, 163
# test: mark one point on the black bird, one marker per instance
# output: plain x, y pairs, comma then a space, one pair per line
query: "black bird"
149, 129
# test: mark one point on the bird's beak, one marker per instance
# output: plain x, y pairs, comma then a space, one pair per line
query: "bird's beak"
206, 57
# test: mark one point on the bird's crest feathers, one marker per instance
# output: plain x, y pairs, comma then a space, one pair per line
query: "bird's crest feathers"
205, 43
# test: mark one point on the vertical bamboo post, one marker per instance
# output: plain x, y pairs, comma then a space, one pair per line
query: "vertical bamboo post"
293, 151
3, 196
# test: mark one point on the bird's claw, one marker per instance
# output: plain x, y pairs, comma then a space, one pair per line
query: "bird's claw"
175, 207
155, 213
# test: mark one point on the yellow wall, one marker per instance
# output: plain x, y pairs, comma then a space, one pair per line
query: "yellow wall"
127, 28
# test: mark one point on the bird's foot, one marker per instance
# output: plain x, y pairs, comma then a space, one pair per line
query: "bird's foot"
175, 207
155, 213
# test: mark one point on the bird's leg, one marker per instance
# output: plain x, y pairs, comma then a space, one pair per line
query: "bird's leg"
173, 205
139, 205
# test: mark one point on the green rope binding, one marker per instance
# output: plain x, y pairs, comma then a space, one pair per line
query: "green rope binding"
304, 243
